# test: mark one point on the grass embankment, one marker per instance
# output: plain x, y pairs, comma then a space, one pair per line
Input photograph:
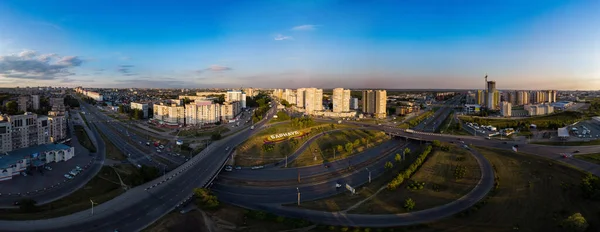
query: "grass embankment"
101, 188
572, 143
442, 182
534, 194
452, 126
112, 152
592, 158
335, 145
83, 138
345, 199
202, 132
551, 121
255, 152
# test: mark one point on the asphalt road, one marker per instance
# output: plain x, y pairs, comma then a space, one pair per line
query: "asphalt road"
138, 207
309, 191
387, 220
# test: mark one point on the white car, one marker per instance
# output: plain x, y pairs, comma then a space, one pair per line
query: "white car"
158, 151
161, 147
73, 173
337, 185
48, 168
68, 176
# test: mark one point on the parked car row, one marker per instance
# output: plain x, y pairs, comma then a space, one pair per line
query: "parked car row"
73, 172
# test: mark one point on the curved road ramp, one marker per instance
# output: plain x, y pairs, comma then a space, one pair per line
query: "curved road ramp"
480, 191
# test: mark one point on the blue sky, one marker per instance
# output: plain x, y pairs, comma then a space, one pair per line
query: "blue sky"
531, 44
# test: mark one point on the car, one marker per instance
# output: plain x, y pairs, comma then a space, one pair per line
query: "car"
68, 176
504, 142
228, 168
161, 147
238, 168
337, 185
48, 168
23, 173
78, 168
576, 151
147, 143
488, 138
16, 203
158, 151
227, 148
139, 166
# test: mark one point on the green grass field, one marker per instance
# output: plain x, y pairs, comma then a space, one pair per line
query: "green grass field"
112, 152
547, 121
83, 138
572, 143
251, 152
592, 158
441, 185
324, 148
534, 194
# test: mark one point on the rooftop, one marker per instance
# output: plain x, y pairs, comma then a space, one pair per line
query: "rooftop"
14, 156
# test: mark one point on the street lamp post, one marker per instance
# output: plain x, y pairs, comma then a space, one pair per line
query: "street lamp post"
298, 190
369, 174
93, 203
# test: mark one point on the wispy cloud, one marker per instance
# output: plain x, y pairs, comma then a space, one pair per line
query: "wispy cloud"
306, 27
126, 70
282, 37
218, 68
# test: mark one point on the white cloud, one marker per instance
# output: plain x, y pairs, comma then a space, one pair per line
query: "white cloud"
282, 37
306, 27
29, 65
218, 68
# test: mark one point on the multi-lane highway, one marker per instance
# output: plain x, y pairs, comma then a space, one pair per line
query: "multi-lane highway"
142, 205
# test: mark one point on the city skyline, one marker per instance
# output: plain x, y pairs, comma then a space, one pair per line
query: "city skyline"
323, 44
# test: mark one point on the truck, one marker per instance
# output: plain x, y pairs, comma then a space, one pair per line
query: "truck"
410, 131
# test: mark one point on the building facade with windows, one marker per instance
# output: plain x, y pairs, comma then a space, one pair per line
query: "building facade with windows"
140, 106
202, 112
341, 100
14, 162
375, 103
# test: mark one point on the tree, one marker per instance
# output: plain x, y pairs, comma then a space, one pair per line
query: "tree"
27, 205
349, 147
285, 103
436, 143
575, 223
186, 101
216, 136
340, 148
409, 204
406, 151
220, 99
388, 165
205, 199
12, 107
398, 157
357, 142
122, 109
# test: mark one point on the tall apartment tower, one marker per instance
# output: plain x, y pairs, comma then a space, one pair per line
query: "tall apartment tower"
313, 100
522, 98
492, 95
23, 103
479, 97
341, 100
300, 95
506, 109
35, 101
375, 102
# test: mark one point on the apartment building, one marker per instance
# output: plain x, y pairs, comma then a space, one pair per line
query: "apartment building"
91, 94
229, 110
236, 95
341, 100
505, 109
375, 102
140, 106
354, 103
202, 112
26, 130
35, 102
58, 104
522, 98
23, 103
313, 100
172, 114
537, 110
300, 94
250, 92
479, 97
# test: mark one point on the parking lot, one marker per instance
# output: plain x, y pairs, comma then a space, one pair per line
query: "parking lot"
585, 130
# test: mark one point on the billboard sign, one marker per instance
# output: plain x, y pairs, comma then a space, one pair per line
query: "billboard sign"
283, 136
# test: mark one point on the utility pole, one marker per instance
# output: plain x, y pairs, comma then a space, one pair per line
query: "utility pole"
298, 189
369, 175
298, 176
286, 161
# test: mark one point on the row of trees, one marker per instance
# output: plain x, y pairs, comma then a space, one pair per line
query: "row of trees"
398, 180
136, 114
302, 122
590, 186
546, 122
415, 121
